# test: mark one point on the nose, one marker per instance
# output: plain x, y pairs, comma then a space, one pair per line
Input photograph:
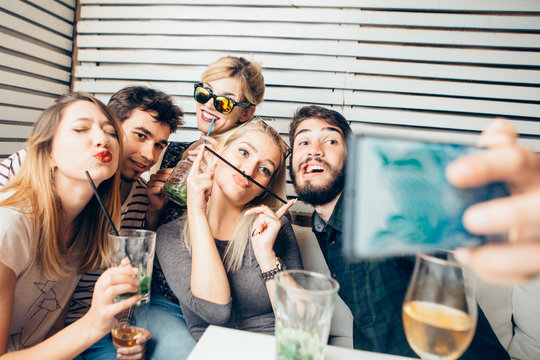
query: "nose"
147, 151
248, 168
315, 149
100, 138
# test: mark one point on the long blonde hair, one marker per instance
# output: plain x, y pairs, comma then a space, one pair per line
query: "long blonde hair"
34, 185
234, 253
249, 74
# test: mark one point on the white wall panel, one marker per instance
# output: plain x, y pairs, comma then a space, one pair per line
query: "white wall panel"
36, 43
431, 66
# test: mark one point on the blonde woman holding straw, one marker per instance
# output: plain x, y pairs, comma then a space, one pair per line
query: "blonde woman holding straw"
52, 230
221, 258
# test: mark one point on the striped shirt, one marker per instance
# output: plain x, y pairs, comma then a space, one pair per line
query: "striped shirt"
10, 166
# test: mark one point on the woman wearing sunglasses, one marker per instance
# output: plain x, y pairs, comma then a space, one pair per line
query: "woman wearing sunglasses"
229, 91
222, 257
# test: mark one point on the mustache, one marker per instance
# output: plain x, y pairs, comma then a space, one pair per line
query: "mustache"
308, 159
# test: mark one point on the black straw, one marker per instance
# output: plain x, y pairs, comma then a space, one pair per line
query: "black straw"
101, 203
245, 175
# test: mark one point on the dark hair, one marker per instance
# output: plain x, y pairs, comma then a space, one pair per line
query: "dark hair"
146, 99
313, 111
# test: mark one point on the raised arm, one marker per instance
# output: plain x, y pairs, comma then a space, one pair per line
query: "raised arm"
208, 276
75, 338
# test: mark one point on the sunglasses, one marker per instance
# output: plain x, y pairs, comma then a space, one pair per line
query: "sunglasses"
221, 103
288, 150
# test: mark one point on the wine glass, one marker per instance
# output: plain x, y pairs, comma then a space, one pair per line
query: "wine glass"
439, 310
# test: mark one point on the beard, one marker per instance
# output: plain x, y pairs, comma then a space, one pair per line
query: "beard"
321, 194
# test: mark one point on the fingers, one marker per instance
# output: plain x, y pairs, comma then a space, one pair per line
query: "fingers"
498, 133
209, 140
509, 164
502, 263
504, 214
195, 168
283, 210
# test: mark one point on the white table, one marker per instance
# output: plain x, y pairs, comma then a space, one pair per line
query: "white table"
230, 344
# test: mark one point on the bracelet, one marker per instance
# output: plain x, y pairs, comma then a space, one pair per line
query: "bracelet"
270, 274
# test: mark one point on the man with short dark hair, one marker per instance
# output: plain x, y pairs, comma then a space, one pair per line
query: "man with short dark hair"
373, 290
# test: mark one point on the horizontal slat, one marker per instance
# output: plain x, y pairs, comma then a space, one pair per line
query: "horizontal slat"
29, 29
33, 83
34, 67
461, 5
11, 113
34, 49
8, 148
39, 17
315, 31
56, 8
321, 47
15, 131
18, 98
318, 63
319, 79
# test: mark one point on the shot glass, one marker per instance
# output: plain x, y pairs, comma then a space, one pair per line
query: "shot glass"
131, 325
304, 307
134, 248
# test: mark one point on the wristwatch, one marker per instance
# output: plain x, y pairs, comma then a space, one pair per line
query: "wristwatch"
270, 274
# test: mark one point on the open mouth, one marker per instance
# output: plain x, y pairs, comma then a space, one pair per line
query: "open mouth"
312, 169
139, 166
206, 116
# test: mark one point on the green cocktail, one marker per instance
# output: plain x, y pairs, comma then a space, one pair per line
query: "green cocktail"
144, 290
177, 193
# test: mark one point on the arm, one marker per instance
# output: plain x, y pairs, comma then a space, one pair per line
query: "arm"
75, 338
209, 279
263, 237
517, 215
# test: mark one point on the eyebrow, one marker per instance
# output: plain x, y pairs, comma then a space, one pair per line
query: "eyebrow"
147, 132
327, 128
224, 94
255, 149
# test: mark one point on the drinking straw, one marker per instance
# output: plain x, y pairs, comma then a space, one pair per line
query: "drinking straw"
209, 129
245, 175
101, 203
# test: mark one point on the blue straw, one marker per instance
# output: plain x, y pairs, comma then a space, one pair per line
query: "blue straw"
209, 129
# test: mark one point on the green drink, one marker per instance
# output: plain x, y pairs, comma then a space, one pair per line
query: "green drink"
144, 290
178, 194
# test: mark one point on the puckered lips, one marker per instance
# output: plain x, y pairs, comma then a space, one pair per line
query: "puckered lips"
240, 180
311, 169
138, 166
208, 116
104, 156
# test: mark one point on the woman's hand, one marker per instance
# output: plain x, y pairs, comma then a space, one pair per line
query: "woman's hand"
113, 282
199, 185
264, 233
137, 351
517, 215
192, 154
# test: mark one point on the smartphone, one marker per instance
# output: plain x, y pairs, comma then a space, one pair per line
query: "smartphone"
398, 202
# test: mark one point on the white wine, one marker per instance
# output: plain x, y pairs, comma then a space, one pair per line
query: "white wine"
435, 330
125, 335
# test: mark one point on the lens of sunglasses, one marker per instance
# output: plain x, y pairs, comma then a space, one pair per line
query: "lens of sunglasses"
221, 103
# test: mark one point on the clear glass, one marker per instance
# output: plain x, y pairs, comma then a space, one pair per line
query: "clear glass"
135, 248
175, 187
439, 310
130, 326
304, 307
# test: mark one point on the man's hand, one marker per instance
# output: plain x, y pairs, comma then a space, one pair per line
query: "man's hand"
157, 197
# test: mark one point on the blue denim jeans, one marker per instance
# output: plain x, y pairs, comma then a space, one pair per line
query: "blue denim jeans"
170, 336
102, 350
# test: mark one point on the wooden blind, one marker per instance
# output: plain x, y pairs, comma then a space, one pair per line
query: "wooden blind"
438, 68
36, 42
